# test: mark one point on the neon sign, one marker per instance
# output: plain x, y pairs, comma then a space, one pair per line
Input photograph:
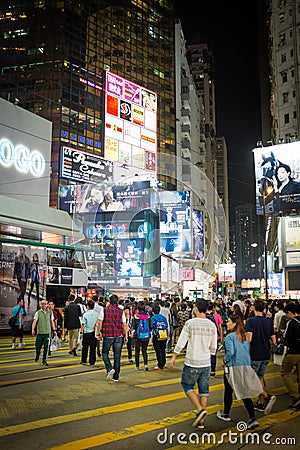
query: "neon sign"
22, 158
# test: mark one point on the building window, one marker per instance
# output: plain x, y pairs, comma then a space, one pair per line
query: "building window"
295, 114
286, 118
283, 57
285, 97
283, 77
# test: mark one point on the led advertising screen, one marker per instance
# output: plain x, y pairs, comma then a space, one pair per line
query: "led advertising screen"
175, 222
76, 165
130, 123
93, 198
198, 234
277, 174
129, 257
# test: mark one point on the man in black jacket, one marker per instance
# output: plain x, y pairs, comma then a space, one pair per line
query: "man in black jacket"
72, 313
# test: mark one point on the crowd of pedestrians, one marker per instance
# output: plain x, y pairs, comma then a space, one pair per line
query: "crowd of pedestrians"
243, 330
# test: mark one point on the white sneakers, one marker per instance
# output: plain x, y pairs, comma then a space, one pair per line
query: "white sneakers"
13, 347
110, 374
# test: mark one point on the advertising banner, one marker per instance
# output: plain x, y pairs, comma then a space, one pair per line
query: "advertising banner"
277, 174
175, 222
130, 118
198, 234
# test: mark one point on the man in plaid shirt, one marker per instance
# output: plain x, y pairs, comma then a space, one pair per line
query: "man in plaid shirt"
113, 330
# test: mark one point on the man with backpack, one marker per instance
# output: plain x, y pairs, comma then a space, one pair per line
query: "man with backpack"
141, 327
160, 333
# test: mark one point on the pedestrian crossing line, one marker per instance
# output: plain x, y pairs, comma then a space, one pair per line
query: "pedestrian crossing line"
106, 438
58, 420
178, 380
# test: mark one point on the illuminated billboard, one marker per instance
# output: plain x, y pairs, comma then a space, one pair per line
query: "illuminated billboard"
198, 234
277, 174
175, 222
130, 123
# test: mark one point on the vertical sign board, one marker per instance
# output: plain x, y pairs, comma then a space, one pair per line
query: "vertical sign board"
130, 124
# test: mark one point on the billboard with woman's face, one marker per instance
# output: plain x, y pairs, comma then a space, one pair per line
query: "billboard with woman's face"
277, 174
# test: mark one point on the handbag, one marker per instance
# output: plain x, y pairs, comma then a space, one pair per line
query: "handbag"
13, 319
277, 349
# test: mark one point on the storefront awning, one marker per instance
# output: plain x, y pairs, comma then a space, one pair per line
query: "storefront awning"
36, 217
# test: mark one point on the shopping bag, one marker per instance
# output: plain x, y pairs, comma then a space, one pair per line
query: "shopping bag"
55, 344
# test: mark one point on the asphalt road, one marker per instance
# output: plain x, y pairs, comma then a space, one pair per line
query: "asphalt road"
70, 406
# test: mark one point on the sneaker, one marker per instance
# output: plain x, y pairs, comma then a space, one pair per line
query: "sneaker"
199, 417
130, 361
22, 344
116, 381
81, 362
269, 404
137, 368
296, 403
252, 423
45, 363
146, 369
110, 374
212, 374
156, 368
13, 347
222, 416
259, 407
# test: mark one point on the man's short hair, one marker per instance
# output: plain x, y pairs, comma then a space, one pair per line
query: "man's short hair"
114, 299
202, 305
292, 308
259, 305
71, 297
90, 304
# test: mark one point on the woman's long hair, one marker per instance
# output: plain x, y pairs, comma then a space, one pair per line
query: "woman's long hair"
239, 327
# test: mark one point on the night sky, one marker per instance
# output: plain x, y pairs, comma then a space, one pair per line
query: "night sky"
232, 35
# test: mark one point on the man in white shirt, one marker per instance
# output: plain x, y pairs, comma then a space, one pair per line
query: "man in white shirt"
277, 317
200, 336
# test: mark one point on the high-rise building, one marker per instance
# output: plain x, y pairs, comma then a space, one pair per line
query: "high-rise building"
247, 232
54, 56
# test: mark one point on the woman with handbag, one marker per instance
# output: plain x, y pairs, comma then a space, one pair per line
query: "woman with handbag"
239, 377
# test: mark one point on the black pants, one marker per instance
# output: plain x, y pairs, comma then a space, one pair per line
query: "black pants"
160, 350
37, 287
141, 345
129, 347
228, 391
89, 343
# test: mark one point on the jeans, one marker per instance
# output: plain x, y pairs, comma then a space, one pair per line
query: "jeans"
160, 350
192, 375
116, 343
228, 391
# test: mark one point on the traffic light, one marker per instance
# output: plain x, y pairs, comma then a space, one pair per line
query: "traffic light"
220, 288
107, 293
214, 286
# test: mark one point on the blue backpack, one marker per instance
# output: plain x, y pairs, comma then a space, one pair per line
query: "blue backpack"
143, 330
161, 330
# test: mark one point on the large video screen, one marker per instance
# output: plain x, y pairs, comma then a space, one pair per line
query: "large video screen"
129, 257
277, 174
175, 222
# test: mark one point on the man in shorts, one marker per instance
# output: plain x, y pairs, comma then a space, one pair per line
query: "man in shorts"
199, 334
260, 332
